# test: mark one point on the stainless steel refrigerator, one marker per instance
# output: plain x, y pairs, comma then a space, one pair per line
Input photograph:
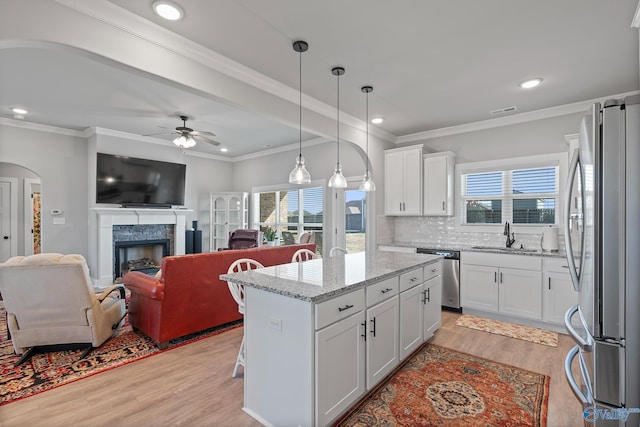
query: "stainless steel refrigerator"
602, 235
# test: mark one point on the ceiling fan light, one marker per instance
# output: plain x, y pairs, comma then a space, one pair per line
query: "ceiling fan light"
300, 174
185, 141
367, 183
337, 180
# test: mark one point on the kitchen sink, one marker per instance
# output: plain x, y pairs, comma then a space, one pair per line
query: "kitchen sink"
503, 249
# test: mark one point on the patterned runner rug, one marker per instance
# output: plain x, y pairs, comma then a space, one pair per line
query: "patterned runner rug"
442, 387
49, 370
512, 330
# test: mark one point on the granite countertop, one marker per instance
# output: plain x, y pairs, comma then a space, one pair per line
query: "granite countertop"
478, 248
324, 278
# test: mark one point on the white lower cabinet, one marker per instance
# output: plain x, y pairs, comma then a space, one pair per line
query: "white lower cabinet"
411, 320
479, 287
420, 314
340, 367
432, 299
507, 284
382, 340
519, 293
558, 294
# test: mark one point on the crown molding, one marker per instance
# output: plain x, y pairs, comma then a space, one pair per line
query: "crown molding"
545, 113
40, 127
151, 32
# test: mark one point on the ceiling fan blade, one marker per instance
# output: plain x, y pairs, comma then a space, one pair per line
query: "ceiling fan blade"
203, 133
205, 139
161, 133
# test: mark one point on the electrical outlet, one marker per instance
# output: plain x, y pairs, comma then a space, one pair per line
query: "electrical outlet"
275, 323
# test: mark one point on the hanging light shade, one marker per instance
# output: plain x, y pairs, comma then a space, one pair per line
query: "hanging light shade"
338, 180
367, 183
300, 174
185, 141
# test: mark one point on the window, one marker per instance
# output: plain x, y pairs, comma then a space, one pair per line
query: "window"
523, 195
290, 212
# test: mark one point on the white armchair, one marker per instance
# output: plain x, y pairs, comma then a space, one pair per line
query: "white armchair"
49, 299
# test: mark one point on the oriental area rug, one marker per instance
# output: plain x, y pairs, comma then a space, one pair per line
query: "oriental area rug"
442, 387
511, 330
45, 371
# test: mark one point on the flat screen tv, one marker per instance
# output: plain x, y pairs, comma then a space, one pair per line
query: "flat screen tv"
130, 181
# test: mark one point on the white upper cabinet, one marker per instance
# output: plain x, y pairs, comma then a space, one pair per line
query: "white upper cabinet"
439, 184
403, 181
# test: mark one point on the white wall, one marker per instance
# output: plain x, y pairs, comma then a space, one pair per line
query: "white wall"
203, 177
60, 161
522, 139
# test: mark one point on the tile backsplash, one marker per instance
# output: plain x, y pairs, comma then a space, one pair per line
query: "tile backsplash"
441, 232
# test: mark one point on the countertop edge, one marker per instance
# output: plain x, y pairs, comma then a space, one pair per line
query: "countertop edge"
325, 296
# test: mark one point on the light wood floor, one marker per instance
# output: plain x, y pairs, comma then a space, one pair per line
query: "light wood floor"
192, 385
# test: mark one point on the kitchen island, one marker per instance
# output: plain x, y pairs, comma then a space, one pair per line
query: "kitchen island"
320, 333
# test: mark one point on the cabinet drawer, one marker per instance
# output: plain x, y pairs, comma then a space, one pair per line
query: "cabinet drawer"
432, 270
559, 265
338, 308
382, 290
411, 278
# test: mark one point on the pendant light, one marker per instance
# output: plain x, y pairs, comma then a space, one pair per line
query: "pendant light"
367, 183
338, 180
300, 174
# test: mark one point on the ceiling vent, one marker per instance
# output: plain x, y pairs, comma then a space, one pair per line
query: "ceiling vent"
503, 110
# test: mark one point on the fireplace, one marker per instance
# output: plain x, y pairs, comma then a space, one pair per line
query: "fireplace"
108, 223
139, 255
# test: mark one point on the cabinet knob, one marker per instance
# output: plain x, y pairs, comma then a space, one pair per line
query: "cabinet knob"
384, 291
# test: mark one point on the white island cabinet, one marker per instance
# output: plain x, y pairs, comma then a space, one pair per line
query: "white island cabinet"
320, 333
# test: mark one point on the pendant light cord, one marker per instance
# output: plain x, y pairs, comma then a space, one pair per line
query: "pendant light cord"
367, 93
338, 119
300, 104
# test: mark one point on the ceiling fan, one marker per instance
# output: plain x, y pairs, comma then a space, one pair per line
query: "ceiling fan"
188, 137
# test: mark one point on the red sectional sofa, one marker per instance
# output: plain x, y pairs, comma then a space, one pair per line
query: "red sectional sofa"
189, 296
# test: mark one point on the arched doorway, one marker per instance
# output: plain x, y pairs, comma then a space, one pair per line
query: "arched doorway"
19, 211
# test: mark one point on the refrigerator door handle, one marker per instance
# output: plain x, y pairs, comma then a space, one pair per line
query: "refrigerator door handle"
586, 345
569, 374
573, 271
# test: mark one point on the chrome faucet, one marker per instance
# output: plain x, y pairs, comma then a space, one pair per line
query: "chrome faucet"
511, 237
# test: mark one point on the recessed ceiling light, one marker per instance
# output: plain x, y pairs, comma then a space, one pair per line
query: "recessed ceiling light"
20, 111
168, 10
377, 120
224, 150
528, 84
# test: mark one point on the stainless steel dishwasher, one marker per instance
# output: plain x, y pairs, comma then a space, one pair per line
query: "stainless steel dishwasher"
450, 276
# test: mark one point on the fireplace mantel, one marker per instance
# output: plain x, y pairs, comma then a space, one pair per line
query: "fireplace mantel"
106, 218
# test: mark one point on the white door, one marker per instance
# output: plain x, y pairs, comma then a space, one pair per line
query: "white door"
340, 367
411, 313
393, 183
432, 306
559, 296
435, 185
383, 341
520, 294
5, 221
412, 200
479, 287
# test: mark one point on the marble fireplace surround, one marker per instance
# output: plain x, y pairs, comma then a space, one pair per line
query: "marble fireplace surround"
102, 272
